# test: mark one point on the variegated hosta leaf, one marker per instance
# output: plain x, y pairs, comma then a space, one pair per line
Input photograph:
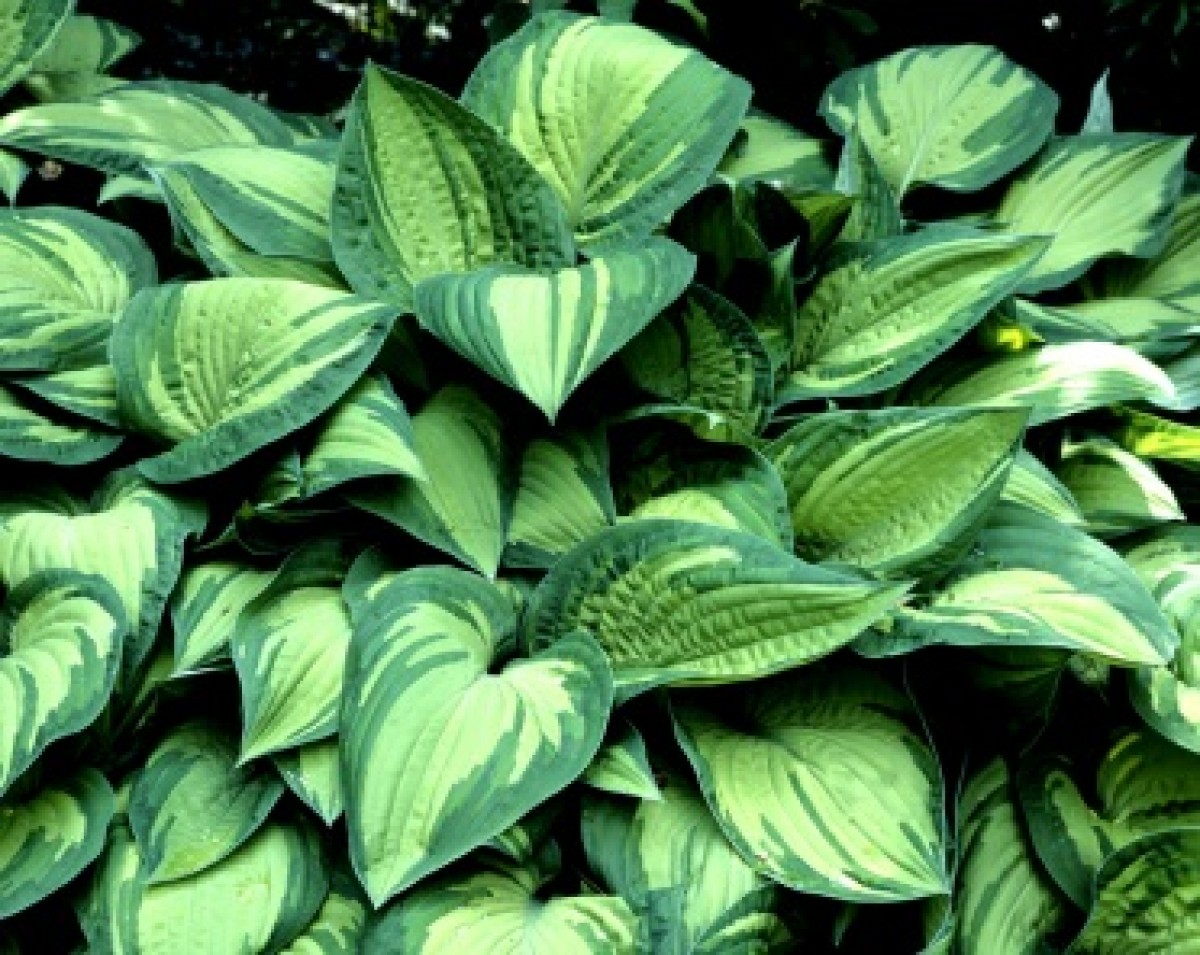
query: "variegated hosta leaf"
424, 186
726, 485
1056, 380
289, 647
1168, 699
48, 839
563, 497
542, 332
1096, 195
1150, 436
205, 607
876, 213
1004, 902
1032, 484
439, 754
257, 899
959, 117
1144, 900
191, 805
670, 861
1144, 784
465, 504
496, 910
67, 276
622, 766
900, 490
131, 535
13, 172
28, 435
61, 634
89, 392
366, 434
1183, 371
888, 308
29, 28
681, 602
313, 774
339, 926
1117, 491
705, 354
1030, 581
85, 44
150, 121
274, 200
1127, 322
218, 369
766, 148
623, 124
822, 782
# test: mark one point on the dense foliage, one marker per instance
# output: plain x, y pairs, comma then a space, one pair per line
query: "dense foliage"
593, 515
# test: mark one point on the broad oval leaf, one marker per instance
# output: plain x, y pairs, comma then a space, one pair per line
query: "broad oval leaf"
623, 124
424, 187
959, 117
47, 840
676, 601
67, 274
884, 309
218, 369
543, 333
84, 44
29, 28
822, 782
438, 753
496, 911
61, 634
1097, 195
900, 490
191, 805
205, 607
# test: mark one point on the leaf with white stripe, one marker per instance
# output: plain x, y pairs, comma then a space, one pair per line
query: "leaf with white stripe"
959, 117
68, 274
29, 28
148, 121
48, 839
1096, 195
313, 773
465, 504
543, 333
218, 369
191, 805
27, 434
424, 186
205, 607
498, 910
677, 601
624, 124
563, 497
366, 434
884, 309
1117, 491
61, 633
899, 490
823, 782
440, 750
1033, 485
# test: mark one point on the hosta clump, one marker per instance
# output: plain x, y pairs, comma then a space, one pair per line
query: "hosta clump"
591, 515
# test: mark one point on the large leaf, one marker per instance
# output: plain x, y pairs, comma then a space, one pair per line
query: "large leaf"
47, 840
191, 806
1030, 581
440, 753
886, 308
425, 187
959, 117
219, 369
29, 27
205, 608
118, 130
465, 504
67, 276
689, 887
1097, 195
497, 911
676, 601
543, 333
899, 490
821, 781
623, 124
61, 633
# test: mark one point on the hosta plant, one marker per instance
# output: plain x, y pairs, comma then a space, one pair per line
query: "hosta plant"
589, 515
